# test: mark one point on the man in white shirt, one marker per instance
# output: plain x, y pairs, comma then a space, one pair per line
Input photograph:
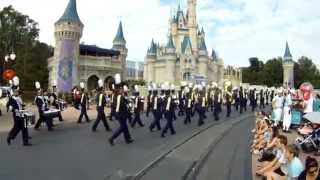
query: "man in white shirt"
277, 104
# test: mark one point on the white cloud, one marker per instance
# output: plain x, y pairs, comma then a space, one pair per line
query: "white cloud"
237, 29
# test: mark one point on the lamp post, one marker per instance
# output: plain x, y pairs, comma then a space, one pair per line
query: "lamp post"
7, 59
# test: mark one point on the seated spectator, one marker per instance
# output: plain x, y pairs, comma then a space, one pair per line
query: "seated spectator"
293, 166
312, 170
277, 165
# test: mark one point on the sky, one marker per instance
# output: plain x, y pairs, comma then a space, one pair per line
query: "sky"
236, 29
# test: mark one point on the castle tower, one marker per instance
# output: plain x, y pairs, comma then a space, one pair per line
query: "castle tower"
119, 44
192, 22
203, 58
149, 59
68, 32
288, 66
171, 58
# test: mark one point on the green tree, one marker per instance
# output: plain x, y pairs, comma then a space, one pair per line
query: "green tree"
19, 33
307, 71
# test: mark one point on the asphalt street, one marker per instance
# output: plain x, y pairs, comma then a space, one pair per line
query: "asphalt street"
72, 151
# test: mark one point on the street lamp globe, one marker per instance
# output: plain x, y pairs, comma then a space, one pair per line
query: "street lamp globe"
6, 58
12, 56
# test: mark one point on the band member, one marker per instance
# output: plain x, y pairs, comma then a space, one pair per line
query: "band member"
277, 104
156, 109
174, 98
121, 112
228, 96
188, 105
15, 105
101, 103
168, 111
217, 104
42, 107
287, 111
201, 105
112, 105
149, 100
243, 101
253, 99
267, 96
54, 99
262, 99
181, 97
137, 107
83, 104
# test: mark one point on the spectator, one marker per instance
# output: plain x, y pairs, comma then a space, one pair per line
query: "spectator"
294, 166
312, 170
278, 164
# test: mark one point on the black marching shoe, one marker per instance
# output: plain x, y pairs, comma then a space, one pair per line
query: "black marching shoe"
129, 141
27, 144
111, 142
9, 141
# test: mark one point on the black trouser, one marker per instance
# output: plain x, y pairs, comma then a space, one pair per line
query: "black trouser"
169, 125
100, 117
41, 119
174, 114
236, 105
83, 113
156, 121
188, 116
136, 119
123, 128
201, 111
112, 113
149, 107
59, 115
228, 109
216, 111
262, 104
180, 113
253, 106
19, 125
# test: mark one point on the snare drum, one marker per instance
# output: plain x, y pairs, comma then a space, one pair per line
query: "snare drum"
51, 113
29, 118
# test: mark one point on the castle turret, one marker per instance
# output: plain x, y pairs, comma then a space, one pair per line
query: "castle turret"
203, 58
192, 22
119, 44
171, 58
288, 67
65, 65
148, 62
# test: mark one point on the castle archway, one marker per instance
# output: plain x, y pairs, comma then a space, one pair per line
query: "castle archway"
92, 82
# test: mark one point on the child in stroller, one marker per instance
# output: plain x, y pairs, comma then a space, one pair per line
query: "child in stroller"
309, 140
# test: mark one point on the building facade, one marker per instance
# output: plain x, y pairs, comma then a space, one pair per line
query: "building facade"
73, 62
134, 70
288, 68
185, 56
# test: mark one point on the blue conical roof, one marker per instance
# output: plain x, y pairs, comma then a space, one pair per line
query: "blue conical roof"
214, 55
202, 45
119, 37
71, 13
170, 44
153, 48
185, 43
287, 54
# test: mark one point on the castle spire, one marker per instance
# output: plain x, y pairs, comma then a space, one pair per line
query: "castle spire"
203, 45
287, 54
119, 37
70, 13
170, 44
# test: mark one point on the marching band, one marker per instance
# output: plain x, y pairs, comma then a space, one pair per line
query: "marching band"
162, 101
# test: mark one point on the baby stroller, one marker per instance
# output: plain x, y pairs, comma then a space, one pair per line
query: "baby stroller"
309, 142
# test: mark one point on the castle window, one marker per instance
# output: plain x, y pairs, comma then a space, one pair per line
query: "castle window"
190, 60
185, 60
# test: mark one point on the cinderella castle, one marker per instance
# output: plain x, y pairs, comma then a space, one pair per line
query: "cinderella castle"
74, 62
185, 56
